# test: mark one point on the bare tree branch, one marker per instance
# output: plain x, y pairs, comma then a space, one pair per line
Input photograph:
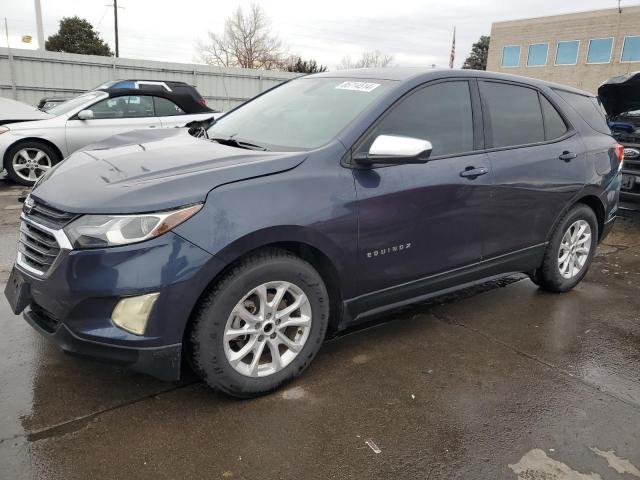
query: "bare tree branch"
371, 59
246, 42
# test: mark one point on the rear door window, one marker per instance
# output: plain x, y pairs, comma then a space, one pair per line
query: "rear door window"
514, 114
588, 108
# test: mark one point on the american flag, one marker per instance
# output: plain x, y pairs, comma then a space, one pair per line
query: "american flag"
453, 49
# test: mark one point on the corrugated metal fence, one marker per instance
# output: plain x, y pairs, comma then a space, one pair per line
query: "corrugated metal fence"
29, 75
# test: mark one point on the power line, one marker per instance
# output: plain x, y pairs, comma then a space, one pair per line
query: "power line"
102, 18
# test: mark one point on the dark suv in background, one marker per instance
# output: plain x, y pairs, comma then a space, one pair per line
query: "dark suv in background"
620, 97
314, 206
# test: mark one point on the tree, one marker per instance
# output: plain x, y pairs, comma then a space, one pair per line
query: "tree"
371, 59
296, 64
246, 42
477, 59
76, 35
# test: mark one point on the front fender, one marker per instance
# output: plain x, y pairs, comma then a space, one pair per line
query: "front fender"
312, 205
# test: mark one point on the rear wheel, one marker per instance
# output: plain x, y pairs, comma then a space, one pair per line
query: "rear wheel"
27, 161
261, 325
569, 252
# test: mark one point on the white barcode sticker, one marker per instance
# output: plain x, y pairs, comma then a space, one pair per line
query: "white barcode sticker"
358, 86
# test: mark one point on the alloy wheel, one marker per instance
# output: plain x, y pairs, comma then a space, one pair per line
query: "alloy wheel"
574, 249
267, 329
31, 163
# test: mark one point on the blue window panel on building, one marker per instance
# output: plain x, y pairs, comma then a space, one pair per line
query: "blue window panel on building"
511, 56
537, 54
600, 50
631, 49
567, 52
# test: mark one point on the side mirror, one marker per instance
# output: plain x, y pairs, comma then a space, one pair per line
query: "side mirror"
392, 149
85, 114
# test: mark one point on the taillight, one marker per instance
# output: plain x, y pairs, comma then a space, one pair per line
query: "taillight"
202, 102
619, 151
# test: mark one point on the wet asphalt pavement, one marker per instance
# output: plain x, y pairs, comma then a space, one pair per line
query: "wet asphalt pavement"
504, 381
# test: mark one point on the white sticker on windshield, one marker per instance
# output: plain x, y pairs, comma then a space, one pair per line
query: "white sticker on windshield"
358, 86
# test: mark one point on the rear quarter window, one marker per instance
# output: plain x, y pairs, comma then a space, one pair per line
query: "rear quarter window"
554, 126
588, 108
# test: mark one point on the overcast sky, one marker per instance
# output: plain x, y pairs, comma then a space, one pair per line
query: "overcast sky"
417, 33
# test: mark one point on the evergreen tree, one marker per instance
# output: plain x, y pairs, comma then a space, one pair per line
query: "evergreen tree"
76, 35
477, 59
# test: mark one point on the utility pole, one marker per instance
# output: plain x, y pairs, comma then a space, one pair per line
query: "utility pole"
39, 26
115, 21
11, 68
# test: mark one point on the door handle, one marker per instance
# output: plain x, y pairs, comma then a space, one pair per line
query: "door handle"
473, 172
152, 126
567, 156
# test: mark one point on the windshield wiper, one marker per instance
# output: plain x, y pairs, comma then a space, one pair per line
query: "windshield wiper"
232, 142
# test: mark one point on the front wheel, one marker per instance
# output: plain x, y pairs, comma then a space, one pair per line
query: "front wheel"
261, 325
569, 252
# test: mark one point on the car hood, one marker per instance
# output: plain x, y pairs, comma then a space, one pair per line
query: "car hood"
147, 170
620, 94
14, 111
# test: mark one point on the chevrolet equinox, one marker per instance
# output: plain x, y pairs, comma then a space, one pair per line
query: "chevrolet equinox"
323, 201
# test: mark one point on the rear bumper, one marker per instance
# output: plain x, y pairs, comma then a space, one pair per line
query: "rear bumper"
629, 196
160, 362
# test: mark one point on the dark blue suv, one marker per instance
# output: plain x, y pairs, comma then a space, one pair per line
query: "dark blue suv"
319, 203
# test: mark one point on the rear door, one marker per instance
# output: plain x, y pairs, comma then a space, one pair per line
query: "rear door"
538, 164
111, 117
417, 221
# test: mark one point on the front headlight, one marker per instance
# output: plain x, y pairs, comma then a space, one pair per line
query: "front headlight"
96, 231
4, 129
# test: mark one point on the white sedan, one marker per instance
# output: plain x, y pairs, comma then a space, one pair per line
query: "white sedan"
30, 148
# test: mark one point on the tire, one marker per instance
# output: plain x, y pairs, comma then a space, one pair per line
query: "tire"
562, 269
215, 357
37, 152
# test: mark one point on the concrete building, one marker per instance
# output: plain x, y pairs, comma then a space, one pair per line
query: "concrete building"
579, 49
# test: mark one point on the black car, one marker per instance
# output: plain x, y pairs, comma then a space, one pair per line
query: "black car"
183, 94
620, 97
326, 200
171, 88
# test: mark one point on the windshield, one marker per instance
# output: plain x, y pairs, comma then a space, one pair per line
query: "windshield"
74, 103
301, 114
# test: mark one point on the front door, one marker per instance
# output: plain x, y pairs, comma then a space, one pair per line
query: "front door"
111, 117
421, 220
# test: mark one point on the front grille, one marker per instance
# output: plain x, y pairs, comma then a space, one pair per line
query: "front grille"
631, 166
47, 216
37, 248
